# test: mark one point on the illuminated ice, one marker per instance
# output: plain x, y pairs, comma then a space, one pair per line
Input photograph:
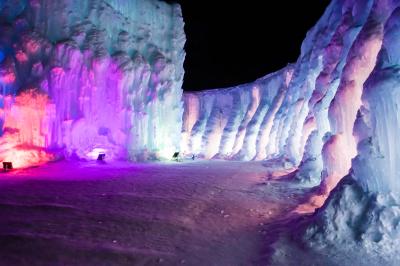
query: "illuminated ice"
334, 113
364, 209
105, 76
112, 70
230, 123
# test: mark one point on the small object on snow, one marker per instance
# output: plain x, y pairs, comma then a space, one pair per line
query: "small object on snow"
7, 166
101, 157
175, 156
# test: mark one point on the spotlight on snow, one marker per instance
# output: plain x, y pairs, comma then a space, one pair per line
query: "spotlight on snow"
7, 166
97, 154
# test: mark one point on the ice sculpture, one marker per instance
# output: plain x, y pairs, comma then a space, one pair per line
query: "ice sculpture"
112, 70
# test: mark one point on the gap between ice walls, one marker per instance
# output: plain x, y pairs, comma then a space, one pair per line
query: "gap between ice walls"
82, 77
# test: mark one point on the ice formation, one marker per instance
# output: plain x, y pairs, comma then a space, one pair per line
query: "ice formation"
334, 113
112, 71
365, 207
227, 123
84, 77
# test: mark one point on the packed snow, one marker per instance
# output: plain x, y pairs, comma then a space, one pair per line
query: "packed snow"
190, 213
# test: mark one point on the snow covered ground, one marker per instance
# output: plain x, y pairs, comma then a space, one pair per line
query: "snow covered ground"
106, 76
193, 213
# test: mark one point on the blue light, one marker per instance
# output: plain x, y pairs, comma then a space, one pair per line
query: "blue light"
2, 56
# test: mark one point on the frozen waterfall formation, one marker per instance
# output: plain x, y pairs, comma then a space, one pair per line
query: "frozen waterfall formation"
334, 113
83, 77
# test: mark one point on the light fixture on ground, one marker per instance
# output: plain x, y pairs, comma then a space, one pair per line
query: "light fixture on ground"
7, 166
175, 156
101, 157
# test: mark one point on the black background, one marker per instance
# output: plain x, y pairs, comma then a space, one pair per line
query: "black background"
234, 42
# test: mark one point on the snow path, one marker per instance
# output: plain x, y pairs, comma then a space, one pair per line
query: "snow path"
193, 213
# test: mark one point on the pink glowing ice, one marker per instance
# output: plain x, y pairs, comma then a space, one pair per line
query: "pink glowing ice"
26, 130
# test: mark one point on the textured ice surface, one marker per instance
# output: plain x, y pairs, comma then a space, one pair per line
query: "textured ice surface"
364, 208
231, 123
112, 71
334, 112
308, 111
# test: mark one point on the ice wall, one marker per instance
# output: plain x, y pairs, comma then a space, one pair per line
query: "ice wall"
225, 123
297, 116
378, 122
27, 120
333, 114
365, 207
113, 71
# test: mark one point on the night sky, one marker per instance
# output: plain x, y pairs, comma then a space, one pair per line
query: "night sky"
241, 41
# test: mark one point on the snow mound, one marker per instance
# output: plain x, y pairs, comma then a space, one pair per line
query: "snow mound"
352, 218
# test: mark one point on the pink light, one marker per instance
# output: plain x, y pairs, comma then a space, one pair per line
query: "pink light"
58, 70
32, 46
21, 57
23, 142
9, 78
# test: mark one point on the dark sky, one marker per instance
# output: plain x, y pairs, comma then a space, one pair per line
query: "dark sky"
241, 41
